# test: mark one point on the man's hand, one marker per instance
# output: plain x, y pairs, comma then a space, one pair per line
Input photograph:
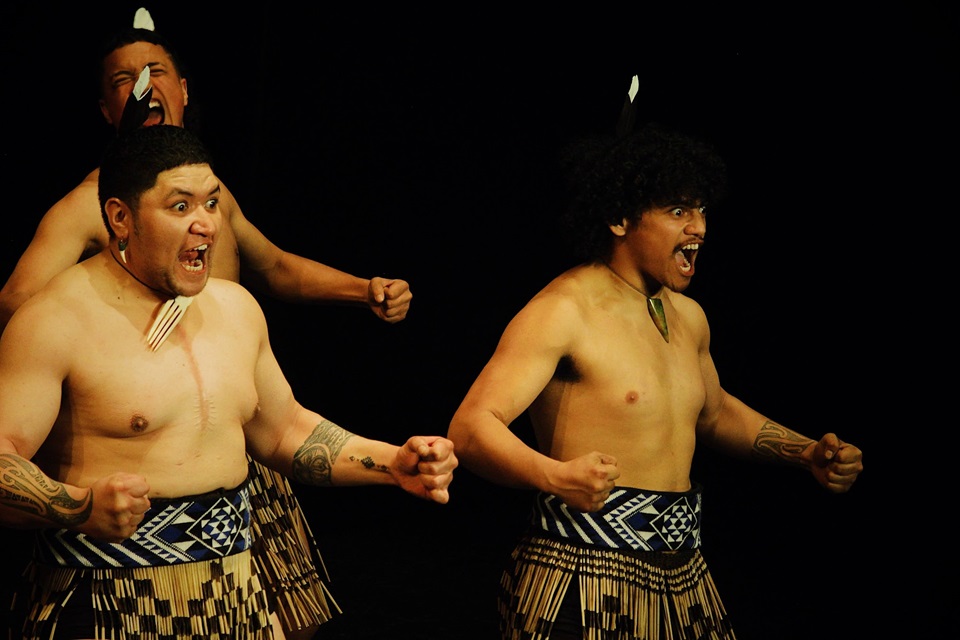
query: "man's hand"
424, 467
389, 299
836, 464
119, 502
585, 483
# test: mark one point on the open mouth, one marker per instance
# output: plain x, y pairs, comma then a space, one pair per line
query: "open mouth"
155, 115
686, 256
193, 259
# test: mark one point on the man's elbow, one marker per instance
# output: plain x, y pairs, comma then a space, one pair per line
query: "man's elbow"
10, 300
463, 433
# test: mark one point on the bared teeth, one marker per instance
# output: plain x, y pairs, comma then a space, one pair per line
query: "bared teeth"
192, 259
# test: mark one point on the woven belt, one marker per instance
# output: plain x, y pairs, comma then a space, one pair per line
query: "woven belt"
173, 531
631, 519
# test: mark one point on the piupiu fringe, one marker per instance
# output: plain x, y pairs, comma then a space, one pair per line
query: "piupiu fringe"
624, 594
217, 599
286, 553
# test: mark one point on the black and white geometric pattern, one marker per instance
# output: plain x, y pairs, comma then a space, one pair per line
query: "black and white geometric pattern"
172, 532
631, 519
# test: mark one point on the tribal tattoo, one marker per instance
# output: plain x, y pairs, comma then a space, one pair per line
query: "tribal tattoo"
776, 443
313, 462
24, 487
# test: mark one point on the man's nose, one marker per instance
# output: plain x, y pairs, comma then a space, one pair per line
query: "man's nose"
204, 224
697, 225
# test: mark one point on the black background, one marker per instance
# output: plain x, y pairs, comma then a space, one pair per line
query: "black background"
419, 144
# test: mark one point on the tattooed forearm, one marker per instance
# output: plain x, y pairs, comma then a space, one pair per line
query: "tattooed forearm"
24, 487
313, 462
776, 443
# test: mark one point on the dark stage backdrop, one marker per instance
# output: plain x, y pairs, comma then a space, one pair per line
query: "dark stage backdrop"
420, 144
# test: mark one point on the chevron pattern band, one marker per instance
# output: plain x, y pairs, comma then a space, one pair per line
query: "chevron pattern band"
173, 531
631, 519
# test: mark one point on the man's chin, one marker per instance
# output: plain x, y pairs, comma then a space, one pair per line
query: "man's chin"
192, 284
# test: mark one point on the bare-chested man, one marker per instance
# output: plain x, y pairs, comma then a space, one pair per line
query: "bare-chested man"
73, 229
612, 363
131, 460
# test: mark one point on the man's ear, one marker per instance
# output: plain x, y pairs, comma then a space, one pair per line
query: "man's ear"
118, 217
620, 229
105, 112
183, 87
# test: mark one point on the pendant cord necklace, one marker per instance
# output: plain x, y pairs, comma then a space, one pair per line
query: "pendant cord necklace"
167, 318
124, 267
654, 306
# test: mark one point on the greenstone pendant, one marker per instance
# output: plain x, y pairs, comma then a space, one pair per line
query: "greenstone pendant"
655, 307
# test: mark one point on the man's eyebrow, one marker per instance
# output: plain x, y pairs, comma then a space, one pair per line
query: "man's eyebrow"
215, 190
179, 193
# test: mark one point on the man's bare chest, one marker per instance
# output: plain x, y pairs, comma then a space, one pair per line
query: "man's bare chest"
197, 377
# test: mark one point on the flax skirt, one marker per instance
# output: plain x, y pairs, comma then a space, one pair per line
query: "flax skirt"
623, 594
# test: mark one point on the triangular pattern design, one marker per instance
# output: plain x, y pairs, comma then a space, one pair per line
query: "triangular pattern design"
172, 532
631, 518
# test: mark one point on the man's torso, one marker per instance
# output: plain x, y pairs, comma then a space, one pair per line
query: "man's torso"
174, 415
623, 390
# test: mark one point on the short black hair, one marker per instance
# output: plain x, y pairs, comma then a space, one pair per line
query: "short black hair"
132, 161
611, 178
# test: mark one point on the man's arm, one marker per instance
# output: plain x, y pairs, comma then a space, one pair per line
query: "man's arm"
310, 448
728, 424
522, 364
294, 278
110, 510
34, 354
70, 229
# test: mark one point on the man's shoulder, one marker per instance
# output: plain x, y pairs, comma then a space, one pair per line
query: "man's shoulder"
231, 302
226, 286
230, 292
59, 302
89, 185
562, 302
83, 199
575, 286
228, 203
685, 304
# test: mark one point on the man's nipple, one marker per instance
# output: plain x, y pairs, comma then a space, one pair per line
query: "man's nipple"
138, 423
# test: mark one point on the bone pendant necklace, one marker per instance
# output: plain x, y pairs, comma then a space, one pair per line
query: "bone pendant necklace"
168, 317
654, 306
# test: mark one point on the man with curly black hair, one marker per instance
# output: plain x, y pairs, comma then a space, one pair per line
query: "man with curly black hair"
612, 363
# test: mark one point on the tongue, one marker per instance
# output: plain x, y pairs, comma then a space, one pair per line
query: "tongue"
682, 261
154, 117
189, 256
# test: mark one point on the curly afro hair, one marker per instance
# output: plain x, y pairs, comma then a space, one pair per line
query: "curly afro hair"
612, 178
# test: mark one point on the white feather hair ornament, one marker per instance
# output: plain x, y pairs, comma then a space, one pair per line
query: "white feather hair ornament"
142, 20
